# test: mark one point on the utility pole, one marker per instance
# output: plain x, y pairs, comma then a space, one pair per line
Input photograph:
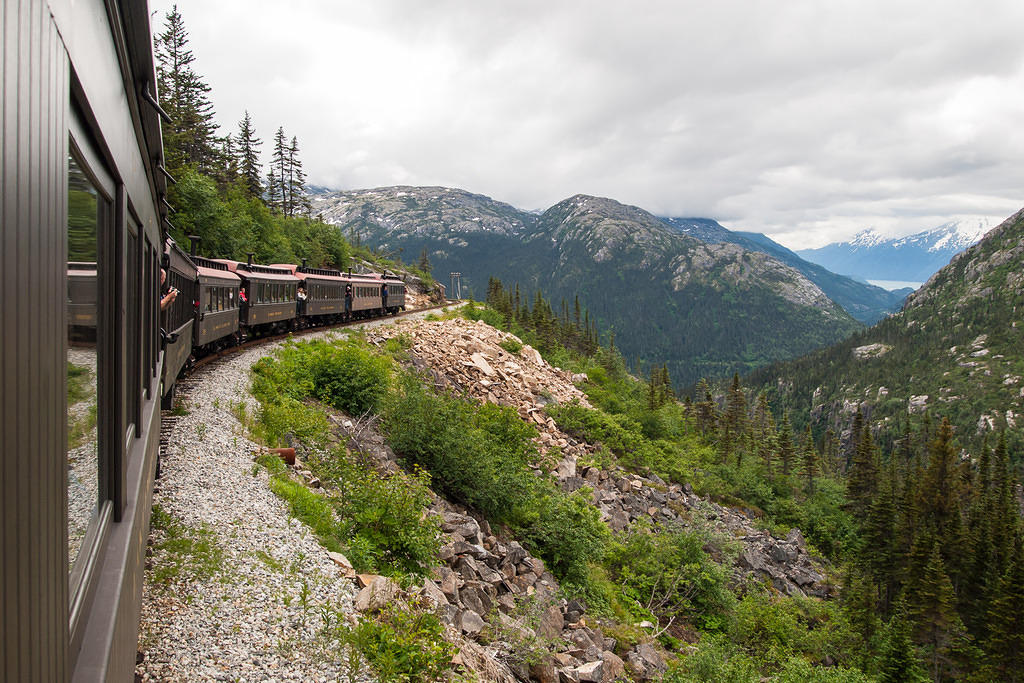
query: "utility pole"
456, 289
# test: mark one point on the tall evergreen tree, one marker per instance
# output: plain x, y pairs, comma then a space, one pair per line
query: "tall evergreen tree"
862, 480
190, 137
899, 661
277, 178
787, 451
298, 202
734, 422
932, 605
248, 150
1005, 645
809, 460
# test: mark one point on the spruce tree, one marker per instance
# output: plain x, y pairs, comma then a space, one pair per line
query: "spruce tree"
734, 423
1005, 645
787, 451
298, 202
809, 460
862, 479
932, 605
248, 150
899, 661
279, 175
190, 137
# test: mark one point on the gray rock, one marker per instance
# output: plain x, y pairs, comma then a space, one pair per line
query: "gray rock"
471, 623
551, 623
591, 672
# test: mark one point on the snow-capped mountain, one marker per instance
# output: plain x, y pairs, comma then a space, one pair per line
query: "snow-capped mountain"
870, 255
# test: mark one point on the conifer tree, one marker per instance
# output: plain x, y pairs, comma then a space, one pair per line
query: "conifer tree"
189, 139
734, 422
298, 202
809, 460
932, 605
862, 480
899, 661
787, 451
705, 408
1005, 645
879, 551
248, 149
279, 174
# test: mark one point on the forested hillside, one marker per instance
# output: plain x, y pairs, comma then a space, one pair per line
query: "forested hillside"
953, 351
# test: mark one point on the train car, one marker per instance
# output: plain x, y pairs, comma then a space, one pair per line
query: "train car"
368, 297
217, 308
178, 321
82, 161
81, 305
268, 296
324, 290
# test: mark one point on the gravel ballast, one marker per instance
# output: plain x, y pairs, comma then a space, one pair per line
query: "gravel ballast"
260, 616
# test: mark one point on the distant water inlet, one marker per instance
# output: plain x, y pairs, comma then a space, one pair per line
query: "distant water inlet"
893, 285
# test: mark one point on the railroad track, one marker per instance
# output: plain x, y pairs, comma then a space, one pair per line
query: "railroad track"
184, 385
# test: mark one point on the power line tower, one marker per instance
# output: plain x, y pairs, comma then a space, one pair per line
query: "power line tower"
456, 288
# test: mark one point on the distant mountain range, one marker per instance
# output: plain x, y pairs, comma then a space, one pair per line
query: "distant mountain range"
865, 302
872, 256
686, 292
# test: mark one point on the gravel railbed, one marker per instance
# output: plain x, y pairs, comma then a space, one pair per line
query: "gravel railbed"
260, 617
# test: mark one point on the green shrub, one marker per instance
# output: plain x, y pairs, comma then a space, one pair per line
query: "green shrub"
511, 345
668, 571
402, 644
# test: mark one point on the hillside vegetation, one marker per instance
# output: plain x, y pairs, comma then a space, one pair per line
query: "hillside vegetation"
953, 351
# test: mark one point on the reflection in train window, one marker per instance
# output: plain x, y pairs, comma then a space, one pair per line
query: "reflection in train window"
86, 206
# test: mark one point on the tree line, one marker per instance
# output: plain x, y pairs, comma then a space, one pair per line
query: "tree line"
220, 192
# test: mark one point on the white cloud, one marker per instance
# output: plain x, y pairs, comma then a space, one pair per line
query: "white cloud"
803, 119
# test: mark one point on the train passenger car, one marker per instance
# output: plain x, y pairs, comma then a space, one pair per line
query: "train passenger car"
82, 160
82, 298
268, 295
325, 293
178, 321
217, 307
368, 298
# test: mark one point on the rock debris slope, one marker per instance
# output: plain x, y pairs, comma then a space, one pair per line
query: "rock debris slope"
468, 356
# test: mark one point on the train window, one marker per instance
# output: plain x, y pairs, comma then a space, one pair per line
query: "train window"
133, 364
88, 209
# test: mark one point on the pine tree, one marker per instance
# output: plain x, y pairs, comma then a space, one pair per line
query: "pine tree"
1005, 645
932, 605
424, 263
734, 423
862, 480
809, 460
298, 202
189, 139
899, 661
787, 452
879, 550
248, 150
279, 175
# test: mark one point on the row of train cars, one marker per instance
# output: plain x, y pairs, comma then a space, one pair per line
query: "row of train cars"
222, 303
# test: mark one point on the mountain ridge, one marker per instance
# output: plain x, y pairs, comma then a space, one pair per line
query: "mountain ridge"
704, 308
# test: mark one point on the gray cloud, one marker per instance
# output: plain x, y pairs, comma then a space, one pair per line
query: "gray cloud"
803, 119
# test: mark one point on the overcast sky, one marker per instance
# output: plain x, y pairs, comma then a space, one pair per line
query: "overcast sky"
808, 120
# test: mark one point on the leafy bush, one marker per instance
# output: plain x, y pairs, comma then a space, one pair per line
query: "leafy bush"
402, 644
479, 455
511, 345
667, 571
383, 518
345, 375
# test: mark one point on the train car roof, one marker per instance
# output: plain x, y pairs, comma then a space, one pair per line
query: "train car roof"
258, 272
217, 273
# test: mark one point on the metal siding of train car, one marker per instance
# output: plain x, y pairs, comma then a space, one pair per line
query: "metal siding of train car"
41, 42
33, 555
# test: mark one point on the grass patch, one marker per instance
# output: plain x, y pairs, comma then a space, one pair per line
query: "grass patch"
186, 553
